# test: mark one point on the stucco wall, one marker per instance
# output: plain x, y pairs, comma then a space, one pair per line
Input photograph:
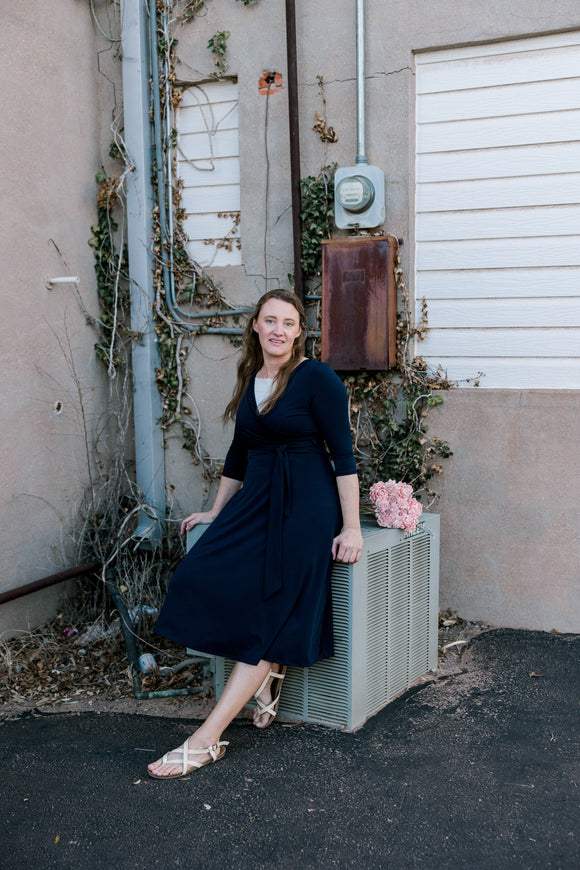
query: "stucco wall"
507, 541
516, 566
50, 153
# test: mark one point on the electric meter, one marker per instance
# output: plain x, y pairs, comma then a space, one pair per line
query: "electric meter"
359, 196
355, 193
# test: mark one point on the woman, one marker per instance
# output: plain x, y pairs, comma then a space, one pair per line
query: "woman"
256, 586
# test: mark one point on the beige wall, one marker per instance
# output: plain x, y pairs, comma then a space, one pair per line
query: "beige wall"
508, 551
515, 566
509, 542
50, 154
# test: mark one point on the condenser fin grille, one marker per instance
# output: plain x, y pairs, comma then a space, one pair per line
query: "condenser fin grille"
376, 639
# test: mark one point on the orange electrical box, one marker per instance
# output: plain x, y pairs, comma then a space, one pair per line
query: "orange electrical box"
359, 303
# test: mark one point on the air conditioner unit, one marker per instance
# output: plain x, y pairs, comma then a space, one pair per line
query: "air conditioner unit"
385, 610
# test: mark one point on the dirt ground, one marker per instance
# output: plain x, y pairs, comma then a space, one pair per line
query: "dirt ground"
55, 671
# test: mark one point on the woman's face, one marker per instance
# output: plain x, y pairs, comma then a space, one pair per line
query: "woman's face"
278, 327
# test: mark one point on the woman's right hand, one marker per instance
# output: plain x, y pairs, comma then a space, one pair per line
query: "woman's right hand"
195, 519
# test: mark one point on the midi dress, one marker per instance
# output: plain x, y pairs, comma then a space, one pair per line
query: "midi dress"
256, 585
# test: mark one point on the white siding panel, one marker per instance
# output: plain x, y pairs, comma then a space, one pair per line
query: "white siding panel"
525, 160
497, 230
498, 253
219, 197
201, 114
498, 69
499, 223
485, 313
224, 143
210, 255
521, 99
499, 193
201, 119
225, 171
498, 283
511, 46
208, 164
211, 92
208, 226
499, 132
512, 374
539, 342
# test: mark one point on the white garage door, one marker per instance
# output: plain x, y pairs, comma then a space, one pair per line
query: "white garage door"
498, 211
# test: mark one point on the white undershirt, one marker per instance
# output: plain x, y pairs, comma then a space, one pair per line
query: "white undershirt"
263, 388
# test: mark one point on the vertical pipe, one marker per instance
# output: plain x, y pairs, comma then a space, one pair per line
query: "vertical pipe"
294, 145
361, 156
159, 158
149, 457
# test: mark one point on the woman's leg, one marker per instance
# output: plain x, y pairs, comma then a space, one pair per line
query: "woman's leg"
244, 680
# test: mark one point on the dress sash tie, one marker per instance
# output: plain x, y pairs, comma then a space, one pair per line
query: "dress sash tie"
280, 509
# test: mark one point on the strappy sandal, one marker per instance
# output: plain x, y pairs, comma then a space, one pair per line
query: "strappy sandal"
215, 752
272, 708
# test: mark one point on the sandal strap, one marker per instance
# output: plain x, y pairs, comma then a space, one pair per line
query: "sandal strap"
275, 674
268, 708
186, 762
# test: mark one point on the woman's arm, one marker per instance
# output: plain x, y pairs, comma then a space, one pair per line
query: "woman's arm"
347, 546
227, 488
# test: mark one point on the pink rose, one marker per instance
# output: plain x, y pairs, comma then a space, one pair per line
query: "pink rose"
395, 508
378, 492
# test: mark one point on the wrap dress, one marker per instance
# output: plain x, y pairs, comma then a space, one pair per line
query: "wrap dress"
256, 585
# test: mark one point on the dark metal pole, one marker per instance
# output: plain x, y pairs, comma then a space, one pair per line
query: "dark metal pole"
68, 574
294, 145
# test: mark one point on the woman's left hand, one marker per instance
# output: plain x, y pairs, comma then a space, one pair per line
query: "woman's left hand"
347, 547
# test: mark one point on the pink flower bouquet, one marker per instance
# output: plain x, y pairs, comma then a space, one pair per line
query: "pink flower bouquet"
395, 507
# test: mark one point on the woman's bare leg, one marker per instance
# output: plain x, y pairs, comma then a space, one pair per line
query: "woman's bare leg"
244, 680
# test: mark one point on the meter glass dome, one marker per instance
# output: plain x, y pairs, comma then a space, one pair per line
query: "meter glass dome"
355, 193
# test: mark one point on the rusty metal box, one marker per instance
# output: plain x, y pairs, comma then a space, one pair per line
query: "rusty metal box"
359, 303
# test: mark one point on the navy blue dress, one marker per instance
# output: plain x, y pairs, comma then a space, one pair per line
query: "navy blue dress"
256, 585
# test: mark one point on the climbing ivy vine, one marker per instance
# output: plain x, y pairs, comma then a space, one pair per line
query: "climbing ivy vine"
388, 410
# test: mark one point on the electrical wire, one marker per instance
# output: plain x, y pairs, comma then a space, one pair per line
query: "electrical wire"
99, 28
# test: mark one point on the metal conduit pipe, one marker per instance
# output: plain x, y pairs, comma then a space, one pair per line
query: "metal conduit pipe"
164, 202
361, 156
224, 330
294, 120
159, 161
51, 580
131, 643
200, 314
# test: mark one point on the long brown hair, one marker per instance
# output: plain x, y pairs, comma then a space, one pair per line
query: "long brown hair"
253, 359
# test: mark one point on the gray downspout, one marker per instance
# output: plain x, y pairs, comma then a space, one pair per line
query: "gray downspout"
149, 455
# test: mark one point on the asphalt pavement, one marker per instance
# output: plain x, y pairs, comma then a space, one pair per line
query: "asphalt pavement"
477, 770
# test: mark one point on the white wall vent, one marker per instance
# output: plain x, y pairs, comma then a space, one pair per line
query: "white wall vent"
385, 612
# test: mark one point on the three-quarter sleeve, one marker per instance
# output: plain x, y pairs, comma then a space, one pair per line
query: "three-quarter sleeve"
236, 458
330, 410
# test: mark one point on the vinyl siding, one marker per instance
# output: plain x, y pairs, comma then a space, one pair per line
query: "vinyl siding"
208, 163
497, 228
